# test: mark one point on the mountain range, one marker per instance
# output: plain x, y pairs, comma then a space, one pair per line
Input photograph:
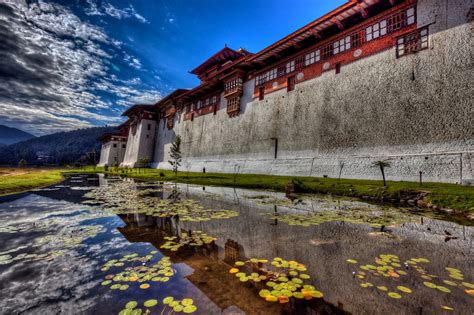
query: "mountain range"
71, 147
10, 135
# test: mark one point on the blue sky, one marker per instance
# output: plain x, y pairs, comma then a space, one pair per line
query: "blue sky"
74, 64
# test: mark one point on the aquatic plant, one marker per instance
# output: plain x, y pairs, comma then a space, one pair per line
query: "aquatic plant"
195, 239
141, 274
389, 269
51, 246
372, 217
281, 280
185, 305
127, 197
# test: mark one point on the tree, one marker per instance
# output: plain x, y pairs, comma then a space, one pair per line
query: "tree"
22, 163
143, 163
382, 165
175, 155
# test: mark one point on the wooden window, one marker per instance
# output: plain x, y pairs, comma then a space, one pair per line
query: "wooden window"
115, 145
312, 57
261, 93
233, 104
342, 45
192, 116
412, 42
290, 66
377, 30
327, 52
338, 68
123, 146
149, 127
272, 74
411, 17
291, 83
214, 99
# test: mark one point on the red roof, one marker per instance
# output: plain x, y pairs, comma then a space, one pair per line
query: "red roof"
336, 16
219, 58
138, 109
175, 93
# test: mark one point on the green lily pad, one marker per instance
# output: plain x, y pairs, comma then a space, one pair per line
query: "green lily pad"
167, 300
150, 303
443, 289
131, 305
178, 308
394, 295
430, 285
404, 289
187, 302
189, 309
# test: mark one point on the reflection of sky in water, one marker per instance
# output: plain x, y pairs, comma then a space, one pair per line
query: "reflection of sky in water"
70, 282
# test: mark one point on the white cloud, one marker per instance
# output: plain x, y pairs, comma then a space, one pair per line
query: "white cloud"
108, 9
50, 62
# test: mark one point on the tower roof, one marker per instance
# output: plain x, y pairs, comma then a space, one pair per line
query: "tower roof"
222, 56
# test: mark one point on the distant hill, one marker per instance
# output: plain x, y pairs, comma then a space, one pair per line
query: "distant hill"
58, 148
10, 135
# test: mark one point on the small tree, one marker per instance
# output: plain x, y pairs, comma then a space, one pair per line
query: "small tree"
175, 155
382, 165
143, 163
22, 163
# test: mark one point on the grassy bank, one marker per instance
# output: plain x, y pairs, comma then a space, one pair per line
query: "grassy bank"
15, 180
457, 197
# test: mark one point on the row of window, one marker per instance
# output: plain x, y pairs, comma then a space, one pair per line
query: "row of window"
211, 100
379, 29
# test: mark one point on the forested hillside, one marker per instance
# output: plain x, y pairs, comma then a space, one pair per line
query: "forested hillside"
10, 135
60, 148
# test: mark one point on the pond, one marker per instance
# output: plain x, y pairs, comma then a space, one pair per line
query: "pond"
104, 245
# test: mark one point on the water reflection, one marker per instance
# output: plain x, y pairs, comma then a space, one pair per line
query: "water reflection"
71, 283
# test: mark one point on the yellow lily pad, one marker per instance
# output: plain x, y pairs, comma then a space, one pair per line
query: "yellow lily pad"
150, 303
430, 285
443, 289
189, 309
404, 289
468, 285
394, 295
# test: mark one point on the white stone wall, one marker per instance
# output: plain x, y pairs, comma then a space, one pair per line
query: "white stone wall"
373, 110
140, 143
112, 153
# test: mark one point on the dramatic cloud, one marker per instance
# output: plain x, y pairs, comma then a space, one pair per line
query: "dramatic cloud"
108, 9
54, 69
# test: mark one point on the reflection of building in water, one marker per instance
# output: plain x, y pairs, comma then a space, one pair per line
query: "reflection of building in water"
232, 251
211, 273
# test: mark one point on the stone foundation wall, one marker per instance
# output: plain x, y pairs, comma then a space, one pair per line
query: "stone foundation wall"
415, 111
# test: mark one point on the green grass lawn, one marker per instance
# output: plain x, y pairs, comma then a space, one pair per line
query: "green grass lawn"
457, 197
15, 180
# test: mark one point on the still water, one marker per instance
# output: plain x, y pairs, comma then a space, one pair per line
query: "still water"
98, 245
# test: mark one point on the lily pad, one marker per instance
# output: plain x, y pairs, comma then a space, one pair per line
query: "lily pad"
189, 309
131, 305
144, 286
430, 285
167, 300
404, 289
443, 289
150, 303
187, 302
394, 295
